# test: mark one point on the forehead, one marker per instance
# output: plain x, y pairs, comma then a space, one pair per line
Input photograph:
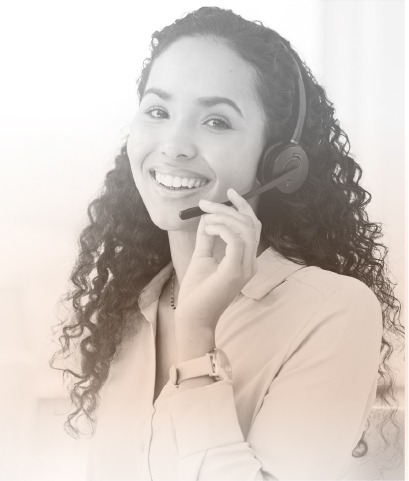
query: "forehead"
204, 66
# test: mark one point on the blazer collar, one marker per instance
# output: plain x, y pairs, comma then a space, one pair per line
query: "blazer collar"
153, 290
272, 270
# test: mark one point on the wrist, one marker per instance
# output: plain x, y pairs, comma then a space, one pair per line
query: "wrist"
213, 366
192, 343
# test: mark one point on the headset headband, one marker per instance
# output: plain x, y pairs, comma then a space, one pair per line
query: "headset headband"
302, 102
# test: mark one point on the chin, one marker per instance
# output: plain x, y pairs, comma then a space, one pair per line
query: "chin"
170, 221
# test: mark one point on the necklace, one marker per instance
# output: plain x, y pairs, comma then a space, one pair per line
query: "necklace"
172, 290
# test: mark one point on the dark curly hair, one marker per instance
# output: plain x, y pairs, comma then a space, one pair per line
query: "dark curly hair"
324, 224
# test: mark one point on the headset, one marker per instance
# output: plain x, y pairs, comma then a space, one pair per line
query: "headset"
291, 157
282, 165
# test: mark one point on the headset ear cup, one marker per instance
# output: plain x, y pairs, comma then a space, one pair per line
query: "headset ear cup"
266, 163
292, 157
277, 159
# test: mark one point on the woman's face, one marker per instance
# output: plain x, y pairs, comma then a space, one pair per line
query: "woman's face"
197, 132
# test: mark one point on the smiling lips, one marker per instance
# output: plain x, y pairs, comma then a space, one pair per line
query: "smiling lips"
177, 182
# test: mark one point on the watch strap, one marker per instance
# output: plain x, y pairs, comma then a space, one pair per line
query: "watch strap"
201, 366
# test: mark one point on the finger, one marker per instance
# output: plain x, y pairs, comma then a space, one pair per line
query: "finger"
231, 263
204, 242
239, 202
216, 208
243, 207
247, 233
239, 226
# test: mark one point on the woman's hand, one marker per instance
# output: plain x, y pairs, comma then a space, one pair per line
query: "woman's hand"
211, 284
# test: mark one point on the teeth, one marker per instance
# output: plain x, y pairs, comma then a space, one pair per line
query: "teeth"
177, 182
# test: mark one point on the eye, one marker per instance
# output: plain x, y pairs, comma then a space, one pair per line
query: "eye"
218, 123
157, 113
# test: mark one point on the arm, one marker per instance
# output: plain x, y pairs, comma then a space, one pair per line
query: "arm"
313, 413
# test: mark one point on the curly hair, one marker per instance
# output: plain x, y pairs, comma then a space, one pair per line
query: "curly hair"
323, 224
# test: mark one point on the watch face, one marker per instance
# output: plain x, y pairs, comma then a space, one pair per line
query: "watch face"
222, 365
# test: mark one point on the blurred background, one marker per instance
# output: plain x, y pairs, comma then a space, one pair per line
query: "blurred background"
67, 95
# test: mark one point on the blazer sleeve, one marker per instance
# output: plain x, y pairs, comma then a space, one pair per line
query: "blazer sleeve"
313, 413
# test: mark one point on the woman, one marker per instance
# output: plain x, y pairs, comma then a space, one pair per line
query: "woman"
290, 289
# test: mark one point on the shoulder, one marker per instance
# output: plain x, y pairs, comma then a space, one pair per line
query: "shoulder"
323, 285
282, 289
310, 297
319, 300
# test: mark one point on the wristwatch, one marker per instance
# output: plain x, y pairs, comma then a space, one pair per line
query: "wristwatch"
214, 364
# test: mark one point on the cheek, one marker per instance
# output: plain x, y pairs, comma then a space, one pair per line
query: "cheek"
236, 166
138, 147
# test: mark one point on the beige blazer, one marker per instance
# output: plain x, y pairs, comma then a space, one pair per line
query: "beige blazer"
304, 344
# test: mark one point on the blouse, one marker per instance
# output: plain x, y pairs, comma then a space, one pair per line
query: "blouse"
304, 345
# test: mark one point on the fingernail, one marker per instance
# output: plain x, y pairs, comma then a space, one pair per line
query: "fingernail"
231, 190
204, 202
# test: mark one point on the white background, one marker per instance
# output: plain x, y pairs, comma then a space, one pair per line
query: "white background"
67, 95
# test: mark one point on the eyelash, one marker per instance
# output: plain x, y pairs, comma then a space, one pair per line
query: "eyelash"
155, 109
226, 125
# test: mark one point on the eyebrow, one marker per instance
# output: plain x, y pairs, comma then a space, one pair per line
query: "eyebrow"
205, 101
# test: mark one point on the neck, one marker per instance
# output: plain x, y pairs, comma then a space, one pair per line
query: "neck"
182, 245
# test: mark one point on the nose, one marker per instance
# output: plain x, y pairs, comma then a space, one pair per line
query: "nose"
178, 144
